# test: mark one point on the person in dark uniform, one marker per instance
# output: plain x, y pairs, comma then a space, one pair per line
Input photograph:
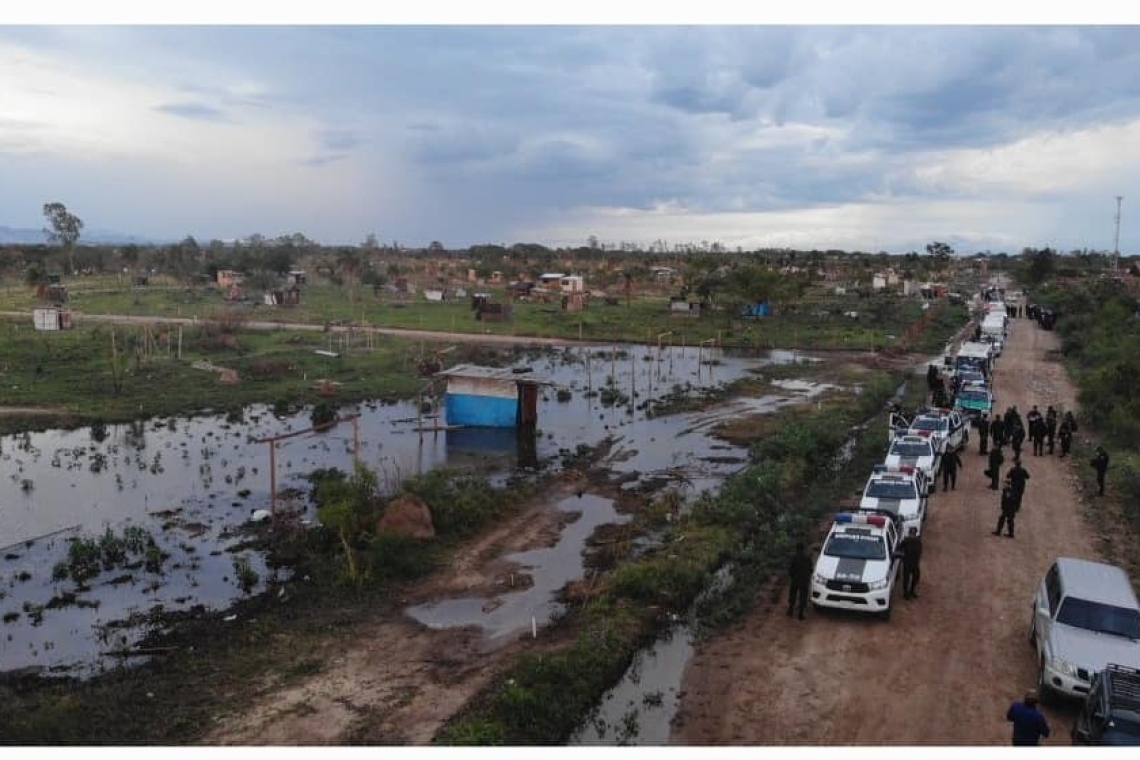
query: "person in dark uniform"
1050, 426
1068, 427
996, 461
1018, 476
997, 430
799, 579
1037, 435
1029, 725
1017, 437
1100, 463
950, 464
911, 552
1009, 507
983, 426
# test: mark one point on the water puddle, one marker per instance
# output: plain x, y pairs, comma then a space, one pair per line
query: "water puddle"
640, 709
509, 613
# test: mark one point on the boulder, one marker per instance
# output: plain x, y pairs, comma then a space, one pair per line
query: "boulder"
407, 515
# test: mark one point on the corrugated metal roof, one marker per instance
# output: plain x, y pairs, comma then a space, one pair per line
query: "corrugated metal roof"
494, 373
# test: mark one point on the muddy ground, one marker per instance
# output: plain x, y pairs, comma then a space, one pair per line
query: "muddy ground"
396, 681
947, 665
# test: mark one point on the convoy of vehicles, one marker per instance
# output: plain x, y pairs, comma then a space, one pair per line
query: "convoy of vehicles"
1085, 622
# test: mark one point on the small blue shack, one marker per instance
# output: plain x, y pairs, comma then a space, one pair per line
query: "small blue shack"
491, 397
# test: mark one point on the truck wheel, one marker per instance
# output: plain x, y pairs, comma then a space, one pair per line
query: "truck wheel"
1033, 632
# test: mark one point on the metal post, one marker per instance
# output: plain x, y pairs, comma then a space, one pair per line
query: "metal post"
273, 478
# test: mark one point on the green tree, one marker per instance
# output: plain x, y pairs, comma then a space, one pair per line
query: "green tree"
64, 230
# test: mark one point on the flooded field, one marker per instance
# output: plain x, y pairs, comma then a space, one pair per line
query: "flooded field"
191, 484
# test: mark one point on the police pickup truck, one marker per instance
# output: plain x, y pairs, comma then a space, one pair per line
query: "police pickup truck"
945, 428
917, 452
857, 567
900, 491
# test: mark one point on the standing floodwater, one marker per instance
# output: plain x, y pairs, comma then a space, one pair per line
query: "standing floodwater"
191, 483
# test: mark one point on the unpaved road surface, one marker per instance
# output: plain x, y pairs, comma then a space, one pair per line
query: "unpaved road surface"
397, 682
946, 666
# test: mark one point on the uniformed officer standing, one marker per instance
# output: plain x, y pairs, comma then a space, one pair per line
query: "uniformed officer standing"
1068, 427
1009, 507
1037, 435
983, 426
1050, 426
1100, 463
996, 461
799, 577
950, 464
911, 550
1018, 476
997, 430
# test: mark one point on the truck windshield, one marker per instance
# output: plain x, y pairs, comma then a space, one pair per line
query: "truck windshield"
900, 449
1102, 618
855, 546
891, 489
972, 395
928, 423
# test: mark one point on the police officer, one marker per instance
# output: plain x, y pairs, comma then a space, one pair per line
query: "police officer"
1009, 507
911, 551
950, 464
1050, 426
1100, 463
1037, 435
983, 426
799, 578
996, 461
1017, 477
1017, 437
1068, 427
997, 430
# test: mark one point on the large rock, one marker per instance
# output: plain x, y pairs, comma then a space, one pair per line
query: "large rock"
407, 515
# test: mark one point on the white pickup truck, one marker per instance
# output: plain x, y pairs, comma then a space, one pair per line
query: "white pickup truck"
945, 428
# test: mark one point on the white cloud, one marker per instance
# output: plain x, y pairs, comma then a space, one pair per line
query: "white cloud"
1043, 164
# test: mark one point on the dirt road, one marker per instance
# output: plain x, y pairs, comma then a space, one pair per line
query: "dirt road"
399, 332
947, 665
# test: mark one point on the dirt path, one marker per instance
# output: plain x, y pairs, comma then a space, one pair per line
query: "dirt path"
945, 668
400, 332
398, 681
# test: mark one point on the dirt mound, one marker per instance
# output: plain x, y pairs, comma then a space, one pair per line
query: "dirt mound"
407, 515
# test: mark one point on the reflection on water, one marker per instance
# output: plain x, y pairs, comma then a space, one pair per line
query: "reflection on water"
191, 481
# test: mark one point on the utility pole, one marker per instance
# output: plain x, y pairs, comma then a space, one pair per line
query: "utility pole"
1116, 241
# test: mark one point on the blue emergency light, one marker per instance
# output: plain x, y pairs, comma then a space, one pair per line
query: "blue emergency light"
846, 517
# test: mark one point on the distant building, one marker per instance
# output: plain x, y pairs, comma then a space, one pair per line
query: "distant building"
51, 318
228, 278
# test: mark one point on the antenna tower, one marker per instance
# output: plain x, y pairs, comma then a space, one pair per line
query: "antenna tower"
1116, 241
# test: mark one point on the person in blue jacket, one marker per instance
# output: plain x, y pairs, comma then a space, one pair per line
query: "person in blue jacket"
1029, 725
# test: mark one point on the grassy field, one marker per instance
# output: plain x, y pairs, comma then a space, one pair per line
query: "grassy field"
820, 320
73, 372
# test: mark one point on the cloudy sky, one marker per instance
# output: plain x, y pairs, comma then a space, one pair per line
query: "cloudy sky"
870, 138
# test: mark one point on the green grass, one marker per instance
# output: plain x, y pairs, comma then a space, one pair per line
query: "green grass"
49, 369
819, 320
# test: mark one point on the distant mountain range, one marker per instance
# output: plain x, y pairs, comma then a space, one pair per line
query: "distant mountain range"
29, 236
